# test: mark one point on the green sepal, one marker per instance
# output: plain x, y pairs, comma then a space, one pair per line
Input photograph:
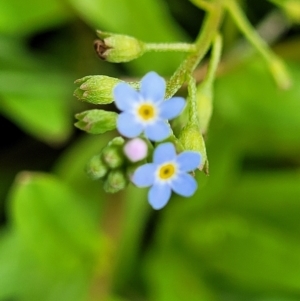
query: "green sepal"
192, 140
96, 89
96, 121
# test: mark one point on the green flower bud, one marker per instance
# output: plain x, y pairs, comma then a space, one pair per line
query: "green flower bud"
96, 168
115, 181
204, 96
116, 48
191, 139
113, 154
96, 89
96, 121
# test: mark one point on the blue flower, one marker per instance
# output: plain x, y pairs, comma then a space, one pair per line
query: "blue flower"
168, 172
146, 111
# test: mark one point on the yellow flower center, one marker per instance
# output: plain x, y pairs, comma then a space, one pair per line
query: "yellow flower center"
167, 171
146, 112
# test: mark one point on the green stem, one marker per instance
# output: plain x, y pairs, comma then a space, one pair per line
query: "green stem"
179, 47
203, 4
210, 27
276, 66
214, 60
247, 29
205, 89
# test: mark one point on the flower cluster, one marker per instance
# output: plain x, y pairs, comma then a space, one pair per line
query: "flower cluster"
144, 154
147, 113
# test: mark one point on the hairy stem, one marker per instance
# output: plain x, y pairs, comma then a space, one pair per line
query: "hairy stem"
208, 31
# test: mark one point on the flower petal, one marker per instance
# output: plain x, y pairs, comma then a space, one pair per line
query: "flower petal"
188, 160
164, 152
159, 195
171, 108
153, 87
125, 96
157, 131
144, 175
184, 185
127, 126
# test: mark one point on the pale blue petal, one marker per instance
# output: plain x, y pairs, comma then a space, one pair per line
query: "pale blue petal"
153, 87
188, 161
159, 195
127, 126
184, 185
158, 131
144, 175
164, 152
171, 108
125, 96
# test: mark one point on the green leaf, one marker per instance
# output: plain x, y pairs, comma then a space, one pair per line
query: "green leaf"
22, 17
171, 277
54, 224
37, 102
250, 102
250, 253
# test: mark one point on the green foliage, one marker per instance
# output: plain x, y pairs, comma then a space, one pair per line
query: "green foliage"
57, 247
65, 239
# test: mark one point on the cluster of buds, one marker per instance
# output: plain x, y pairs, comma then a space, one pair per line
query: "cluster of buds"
116, 161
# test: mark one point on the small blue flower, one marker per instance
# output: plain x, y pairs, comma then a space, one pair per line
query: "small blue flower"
146, 111
168, 172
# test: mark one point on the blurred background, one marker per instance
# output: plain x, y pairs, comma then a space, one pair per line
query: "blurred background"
63, 239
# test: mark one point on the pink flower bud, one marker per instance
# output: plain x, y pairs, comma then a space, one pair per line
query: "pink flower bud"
136, 149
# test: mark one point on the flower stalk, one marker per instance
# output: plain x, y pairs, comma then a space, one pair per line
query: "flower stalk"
276, 66
210, 27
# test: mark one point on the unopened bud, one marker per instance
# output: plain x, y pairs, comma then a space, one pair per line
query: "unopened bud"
115, 181
96, 121
96, 89
136, 149
204, 96
113, 154
118, 48
95, 168
191, 139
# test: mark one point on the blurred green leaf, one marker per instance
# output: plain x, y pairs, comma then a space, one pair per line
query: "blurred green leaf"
37, 102
256, 256
22, 17
271, 196
11, 265
248, 100
172, 278
54, 224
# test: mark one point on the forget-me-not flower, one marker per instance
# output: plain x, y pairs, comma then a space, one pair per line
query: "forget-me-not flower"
168, 172
146, 111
